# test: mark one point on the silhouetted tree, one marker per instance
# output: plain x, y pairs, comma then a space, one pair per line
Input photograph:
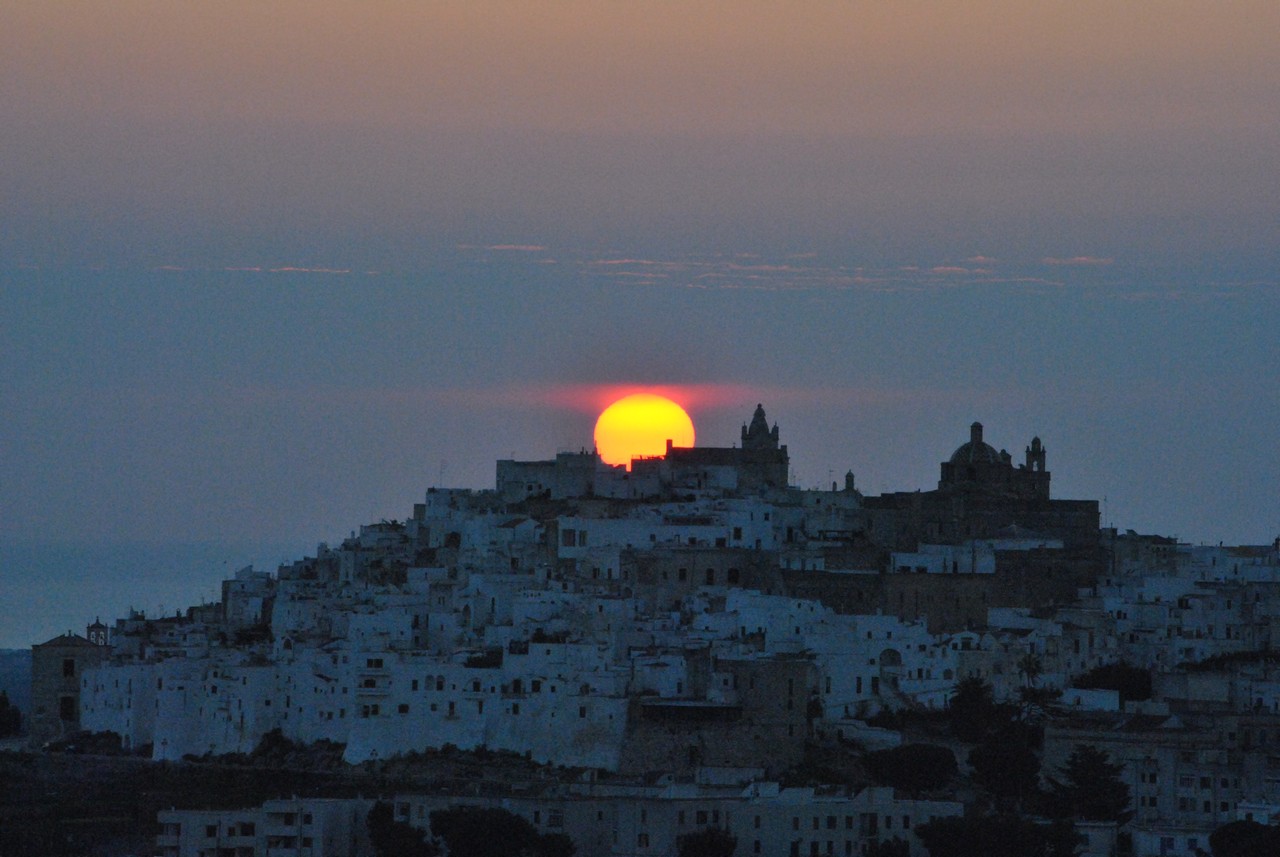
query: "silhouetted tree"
997, 836
894, 847
472, 831
973, 711
708, 842
1061, 838
1034, 702
1090, 787
391, 838
1009, 768
556, 845
913, 767
1030, 667
10, 717
1245, 839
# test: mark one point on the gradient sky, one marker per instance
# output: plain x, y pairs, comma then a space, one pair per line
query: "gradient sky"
270, 270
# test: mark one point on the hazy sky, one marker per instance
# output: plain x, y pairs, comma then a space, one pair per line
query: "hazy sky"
270, 270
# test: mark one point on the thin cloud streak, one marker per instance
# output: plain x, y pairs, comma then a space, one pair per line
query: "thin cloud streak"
1078, 260
505, 248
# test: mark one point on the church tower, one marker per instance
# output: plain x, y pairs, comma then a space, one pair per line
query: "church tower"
1035, 455
1034, 471
98, 633
758, 435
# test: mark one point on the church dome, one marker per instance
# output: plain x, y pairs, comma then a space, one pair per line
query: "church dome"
975, 451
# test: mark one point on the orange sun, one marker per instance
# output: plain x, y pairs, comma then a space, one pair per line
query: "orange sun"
640, 425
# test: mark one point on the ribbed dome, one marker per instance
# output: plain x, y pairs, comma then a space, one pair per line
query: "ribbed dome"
975, 451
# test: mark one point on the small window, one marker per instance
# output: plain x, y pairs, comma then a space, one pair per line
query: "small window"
68, 667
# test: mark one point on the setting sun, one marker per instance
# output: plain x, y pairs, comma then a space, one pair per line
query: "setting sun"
640, 425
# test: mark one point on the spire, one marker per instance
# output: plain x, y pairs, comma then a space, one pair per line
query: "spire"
758, 434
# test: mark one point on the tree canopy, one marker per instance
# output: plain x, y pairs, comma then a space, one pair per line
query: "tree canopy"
708, 842
1245, 839
973, 711
895, 847
473, 831
1009, 769
997, 836
10, 717
1089, 787
391, 838
913, 767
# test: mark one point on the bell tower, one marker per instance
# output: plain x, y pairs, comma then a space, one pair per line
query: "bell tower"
97, 633
1035, 456
1036, 472
758, 435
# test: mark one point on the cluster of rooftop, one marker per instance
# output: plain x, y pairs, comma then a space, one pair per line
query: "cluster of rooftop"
696, 613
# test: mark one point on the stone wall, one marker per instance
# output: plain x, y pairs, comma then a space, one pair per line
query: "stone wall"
57, 668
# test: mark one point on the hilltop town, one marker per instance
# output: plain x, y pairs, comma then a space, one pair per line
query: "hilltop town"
693, 643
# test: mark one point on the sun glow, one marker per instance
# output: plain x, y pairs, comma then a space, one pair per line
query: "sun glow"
640, 425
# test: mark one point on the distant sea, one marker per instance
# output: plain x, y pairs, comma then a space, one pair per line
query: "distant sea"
47, 589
